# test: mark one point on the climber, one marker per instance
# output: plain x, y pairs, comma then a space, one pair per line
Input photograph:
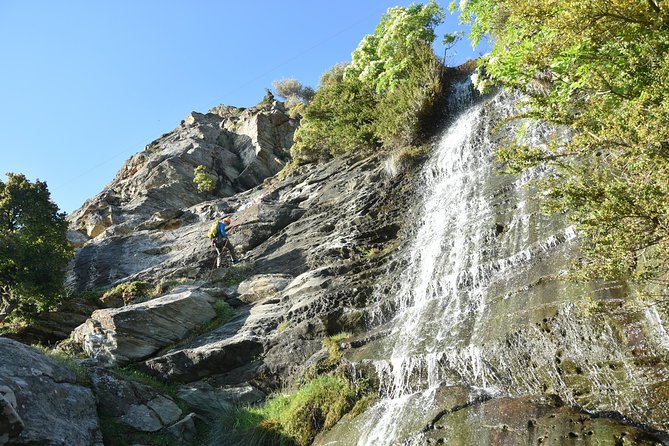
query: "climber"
218, 233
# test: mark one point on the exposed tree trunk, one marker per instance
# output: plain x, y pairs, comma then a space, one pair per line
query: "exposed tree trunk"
9, 302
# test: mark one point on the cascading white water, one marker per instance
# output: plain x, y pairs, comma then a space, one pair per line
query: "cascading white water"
455, 257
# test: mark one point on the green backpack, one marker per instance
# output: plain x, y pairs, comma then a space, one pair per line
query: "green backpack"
213, 230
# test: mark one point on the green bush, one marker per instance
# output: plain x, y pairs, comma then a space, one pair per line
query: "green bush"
205, 181
403, 113
339, 119
129, 292
382, 96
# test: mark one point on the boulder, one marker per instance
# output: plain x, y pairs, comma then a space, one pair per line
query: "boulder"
120, 335
41, 401
11, 423
211, 401
139, 406
184, 430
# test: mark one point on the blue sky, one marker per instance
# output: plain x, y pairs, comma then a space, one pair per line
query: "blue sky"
86, 84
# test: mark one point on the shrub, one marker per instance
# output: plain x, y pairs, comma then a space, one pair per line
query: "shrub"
293, 92
339, 119
403, 113
205, 181
382, 96
129, 292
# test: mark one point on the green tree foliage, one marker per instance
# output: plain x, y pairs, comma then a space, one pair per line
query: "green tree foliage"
33, 248
381, 95
339, 119
600, 69
386, 56
402, 113
205, 181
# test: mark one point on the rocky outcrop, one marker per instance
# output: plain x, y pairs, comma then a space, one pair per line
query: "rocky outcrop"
238, 147
138, 406
41, 401
119, 335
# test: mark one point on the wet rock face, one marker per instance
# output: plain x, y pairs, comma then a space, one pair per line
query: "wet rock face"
41, 402
519, 355
532, 421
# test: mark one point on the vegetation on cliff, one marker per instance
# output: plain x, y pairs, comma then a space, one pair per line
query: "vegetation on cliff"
379, 98
34, 249
601, 70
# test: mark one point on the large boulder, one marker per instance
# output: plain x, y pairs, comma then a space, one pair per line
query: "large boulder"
41, 401
120, 335
131, 403
212, 401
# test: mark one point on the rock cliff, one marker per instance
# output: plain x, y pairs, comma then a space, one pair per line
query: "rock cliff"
446, 276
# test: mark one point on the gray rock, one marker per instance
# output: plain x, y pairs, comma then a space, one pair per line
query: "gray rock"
212, 401
41, 402
262, 286
154, 187
183, 430
11, 423
137, 405
142, 418
119, 335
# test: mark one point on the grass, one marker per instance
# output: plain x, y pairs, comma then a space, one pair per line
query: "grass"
224, 313
331, 343
236, 274
292, 419
130, 292
116, 433
67, 360
129, 373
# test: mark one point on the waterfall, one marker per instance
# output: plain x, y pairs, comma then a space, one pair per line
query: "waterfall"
461, 248
481, 313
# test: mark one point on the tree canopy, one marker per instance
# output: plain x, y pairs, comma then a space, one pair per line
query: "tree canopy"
379, 97
34, 249
601, 70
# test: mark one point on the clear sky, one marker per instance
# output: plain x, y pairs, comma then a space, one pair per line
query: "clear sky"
86, 84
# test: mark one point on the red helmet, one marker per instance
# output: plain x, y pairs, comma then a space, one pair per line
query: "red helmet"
227, 220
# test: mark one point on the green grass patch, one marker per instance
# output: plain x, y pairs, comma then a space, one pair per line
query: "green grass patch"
332, 344
67, 360
291, 419
129, 293
129, 373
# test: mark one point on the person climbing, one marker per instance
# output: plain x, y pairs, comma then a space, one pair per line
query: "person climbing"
218, 233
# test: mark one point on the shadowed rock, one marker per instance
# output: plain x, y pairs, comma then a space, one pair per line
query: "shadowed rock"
41, 402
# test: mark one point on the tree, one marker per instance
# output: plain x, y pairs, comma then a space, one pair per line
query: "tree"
34, 249
601, 70
379, 97
205, 181
292, 89
339, 119
386, 56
